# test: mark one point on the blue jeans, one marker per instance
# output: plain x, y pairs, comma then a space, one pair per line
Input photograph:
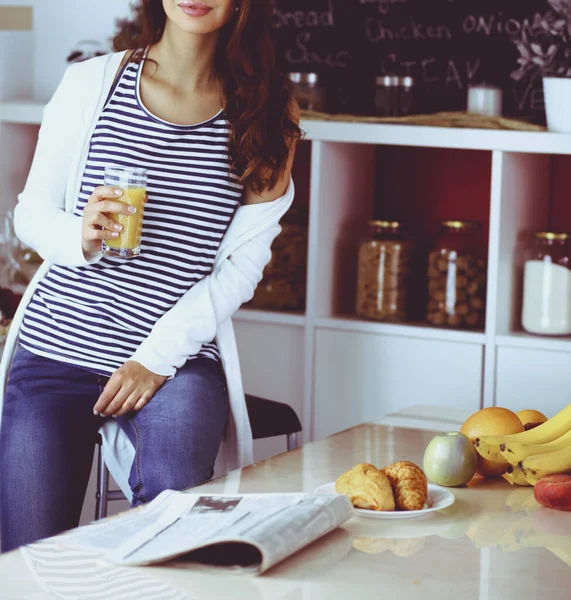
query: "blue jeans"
48, 434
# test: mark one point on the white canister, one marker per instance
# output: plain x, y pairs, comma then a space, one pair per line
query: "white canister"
484, 99
557, 91
547, 285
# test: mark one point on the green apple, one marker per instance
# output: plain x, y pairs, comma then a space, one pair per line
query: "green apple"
450, 459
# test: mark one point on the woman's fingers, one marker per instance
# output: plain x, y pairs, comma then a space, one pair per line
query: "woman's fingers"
104, 222
109, 206
117, 402
104, 200
100, 234
129, 404
97, 225
108, 394
104, 191
145, 399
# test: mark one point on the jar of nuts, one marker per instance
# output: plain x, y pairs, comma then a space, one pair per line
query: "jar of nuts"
457, 277
384, 267
283, 285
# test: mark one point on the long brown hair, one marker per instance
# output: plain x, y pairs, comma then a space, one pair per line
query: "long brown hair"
257, 96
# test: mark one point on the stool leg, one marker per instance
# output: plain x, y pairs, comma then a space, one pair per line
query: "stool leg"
98, 488
102, 487
292, 441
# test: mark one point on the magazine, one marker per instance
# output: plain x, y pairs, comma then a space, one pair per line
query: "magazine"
250, 531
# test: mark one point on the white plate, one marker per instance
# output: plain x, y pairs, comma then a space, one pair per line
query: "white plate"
438, 499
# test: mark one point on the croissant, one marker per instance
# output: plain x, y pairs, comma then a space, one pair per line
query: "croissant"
409, 485
366, 487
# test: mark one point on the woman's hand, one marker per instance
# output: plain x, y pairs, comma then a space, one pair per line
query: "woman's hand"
97, 226
131, 387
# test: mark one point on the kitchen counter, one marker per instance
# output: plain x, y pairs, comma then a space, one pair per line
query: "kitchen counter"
494, 543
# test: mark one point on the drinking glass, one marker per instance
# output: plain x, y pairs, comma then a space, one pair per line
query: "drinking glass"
133, 182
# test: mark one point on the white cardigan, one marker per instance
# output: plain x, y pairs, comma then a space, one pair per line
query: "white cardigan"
44, 221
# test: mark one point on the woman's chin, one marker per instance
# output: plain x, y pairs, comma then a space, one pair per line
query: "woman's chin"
196, 26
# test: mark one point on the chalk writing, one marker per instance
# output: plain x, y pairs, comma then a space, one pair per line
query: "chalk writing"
531, 98
494, 24
453, 72
300, 54
378, 31
443, 44
383, 6
304, 19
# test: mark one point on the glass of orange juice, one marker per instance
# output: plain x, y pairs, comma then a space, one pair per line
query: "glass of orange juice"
133, 182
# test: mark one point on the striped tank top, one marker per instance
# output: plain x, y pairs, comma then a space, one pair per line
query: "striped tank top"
96, 316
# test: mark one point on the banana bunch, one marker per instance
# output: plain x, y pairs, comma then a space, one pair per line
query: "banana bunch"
533, 454
514, 476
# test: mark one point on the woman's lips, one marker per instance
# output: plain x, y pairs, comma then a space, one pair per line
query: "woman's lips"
195, 9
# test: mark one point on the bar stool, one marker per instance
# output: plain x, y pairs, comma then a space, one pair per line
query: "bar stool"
267, 419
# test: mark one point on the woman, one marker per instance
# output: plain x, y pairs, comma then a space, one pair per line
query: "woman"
144, 347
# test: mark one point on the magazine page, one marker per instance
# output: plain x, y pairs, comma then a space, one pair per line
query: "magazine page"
295, 526
252, 531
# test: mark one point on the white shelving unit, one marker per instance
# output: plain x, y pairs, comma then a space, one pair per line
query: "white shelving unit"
26, 112
438, 137
337, 370
248, 315
520, 339
409, 330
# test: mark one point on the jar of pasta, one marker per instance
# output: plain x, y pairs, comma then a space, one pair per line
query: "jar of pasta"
283, 285
547, 285
384, 267
457, 277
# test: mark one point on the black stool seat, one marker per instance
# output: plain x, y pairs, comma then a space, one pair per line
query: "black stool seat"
269, 418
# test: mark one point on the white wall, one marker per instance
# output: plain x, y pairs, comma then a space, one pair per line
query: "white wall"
16, 65
60, 24
32, 63
16, 60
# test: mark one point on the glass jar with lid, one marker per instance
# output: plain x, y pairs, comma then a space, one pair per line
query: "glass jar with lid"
308, 91
384, 267
283, 285
547, 285
457, 277
394, 96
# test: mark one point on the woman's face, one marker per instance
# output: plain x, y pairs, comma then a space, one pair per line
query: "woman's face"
200, 16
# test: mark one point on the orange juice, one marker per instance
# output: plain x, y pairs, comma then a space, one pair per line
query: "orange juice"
129, 240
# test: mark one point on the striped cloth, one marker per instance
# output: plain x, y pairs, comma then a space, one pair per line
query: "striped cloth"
96, 316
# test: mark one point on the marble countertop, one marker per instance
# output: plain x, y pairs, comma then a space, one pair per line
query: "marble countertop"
494, 543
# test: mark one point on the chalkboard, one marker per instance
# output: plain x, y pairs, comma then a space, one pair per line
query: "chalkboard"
443, 44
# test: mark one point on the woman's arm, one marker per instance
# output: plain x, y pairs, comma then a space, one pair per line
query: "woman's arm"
40, 219
194, 319
251, 197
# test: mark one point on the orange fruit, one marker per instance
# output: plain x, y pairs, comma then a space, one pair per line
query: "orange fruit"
491, 421
531, 418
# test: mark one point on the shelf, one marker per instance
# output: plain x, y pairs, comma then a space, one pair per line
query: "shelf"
30, 112
531, 142
520, 339
269, 316
24, 112
411, 330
